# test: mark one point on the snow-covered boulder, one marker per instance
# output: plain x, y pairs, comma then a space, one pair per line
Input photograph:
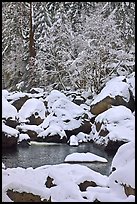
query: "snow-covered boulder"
69, 116
114, 127
53, 133
123, 169
83, 137
9, 113
23, 140
73, 141
116, 92
84, 157
31, 130
32, 112
53, 97
78, 174
9, 136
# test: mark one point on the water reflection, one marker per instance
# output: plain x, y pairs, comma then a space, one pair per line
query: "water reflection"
39, 154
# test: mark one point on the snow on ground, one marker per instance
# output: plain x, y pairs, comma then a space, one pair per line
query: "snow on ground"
84, 157
114, 87
65, 109
66, 178
65, 115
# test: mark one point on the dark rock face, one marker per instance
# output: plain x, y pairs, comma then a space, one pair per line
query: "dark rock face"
9, 141
85, 128
32, 134
108, 102
83, 186
113, 146
24, 143
19, 102
101, 106
25, 197
49, 182
79, 101
129, 190
34, 120
54, 138
11, 123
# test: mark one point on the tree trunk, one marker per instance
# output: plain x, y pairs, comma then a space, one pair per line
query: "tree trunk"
31, 36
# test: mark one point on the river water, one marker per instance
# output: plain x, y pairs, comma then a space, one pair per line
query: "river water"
39, 154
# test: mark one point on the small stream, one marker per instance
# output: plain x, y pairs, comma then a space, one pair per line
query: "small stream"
39, 154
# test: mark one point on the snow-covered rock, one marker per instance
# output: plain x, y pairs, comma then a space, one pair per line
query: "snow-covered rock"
31, 130
53, 133
9, 136
24, 140
123, 169
116, 92
73, 141
114, 126
32, 111
8, 110
84, 157
67, 115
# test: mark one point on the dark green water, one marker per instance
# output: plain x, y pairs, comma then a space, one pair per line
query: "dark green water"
39, 154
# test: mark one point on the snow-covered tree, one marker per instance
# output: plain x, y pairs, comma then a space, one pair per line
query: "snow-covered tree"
60, 44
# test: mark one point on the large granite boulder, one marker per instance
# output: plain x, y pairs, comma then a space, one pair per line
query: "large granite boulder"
32, 112
53, 133
116, 92
9, 136
122, 170
70, 117
114, 127
9, 113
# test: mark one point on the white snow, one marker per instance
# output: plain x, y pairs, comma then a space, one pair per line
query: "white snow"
25, 128
66, 110
13, 96
53, 130
3, 166
73, 141
84, 157
119, 121
114, 87
65, 114
54, 96
23, 137
32, 106
8, 110
9, 131
66, 178
124, 162
83, 137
